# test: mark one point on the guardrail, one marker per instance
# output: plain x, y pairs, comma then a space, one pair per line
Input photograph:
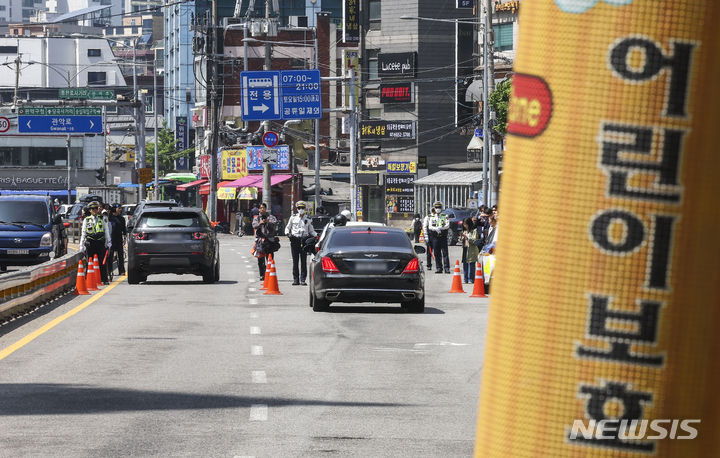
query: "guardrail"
29, 288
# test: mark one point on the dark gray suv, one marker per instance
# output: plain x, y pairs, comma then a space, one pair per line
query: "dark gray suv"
176, 240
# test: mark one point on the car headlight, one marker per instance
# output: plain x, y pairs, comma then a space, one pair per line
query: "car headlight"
46, 240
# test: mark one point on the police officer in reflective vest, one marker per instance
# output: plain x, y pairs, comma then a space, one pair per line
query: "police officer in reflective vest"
438, 227
95, 238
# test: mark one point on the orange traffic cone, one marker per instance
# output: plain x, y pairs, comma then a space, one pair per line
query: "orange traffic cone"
80, 288
456, 281
272, 287
479, 286
98, 278
90, 279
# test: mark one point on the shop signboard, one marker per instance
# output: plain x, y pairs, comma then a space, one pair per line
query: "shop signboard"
399, 64
255, 158
234, 164
400, 192
401, 167
387, 130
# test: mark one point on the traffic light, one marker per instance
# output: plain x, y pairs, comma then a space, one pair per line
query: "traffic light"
100, 174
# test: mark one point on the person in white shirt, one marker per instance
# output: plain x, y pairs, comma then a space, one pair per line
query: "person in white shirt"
298, 229
95, 238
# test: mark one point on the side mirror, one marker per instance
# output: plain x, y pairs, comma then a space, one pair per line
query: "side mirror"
419, 249
130, 227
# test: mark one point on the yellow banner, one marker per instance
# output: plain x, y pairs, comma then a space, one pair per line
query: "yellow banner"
604, 324
234, 164
226, 193
247, 194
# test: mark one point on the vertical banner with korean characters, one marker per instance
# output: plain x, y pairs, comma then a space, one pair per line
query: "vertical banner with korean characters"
604, 323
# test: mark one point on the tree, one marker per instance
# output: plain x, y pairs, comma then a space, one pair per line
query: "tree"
499, 100
167, 149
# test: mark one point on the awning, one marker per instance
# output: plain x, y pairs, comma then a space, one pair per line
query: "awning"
192, 184
205, 189
127, 184
249, 181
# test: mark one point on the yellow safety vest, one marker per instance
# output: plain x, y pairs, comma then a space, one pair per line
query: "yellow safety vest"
94, 231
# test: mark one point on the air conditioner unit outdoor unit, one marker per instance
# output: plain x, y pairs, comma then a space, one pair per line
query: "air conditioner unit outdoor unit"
298, 21
343, 158
343, 144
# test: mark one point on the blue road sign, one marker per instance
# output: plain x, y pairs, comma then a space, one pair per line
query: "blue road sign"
301, 98
58, 124
260, 95
291, 94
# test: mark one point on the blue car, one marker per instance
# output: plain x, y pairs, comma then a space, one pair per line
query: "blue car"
30, 231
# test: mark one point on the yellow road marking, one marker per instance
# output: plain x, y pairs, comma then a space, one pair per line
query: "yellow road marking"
33, 335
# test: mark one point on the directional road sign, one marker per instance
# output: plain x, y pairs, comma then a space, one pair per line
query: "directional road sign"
84, 93
62, 120
260, 95
270, 95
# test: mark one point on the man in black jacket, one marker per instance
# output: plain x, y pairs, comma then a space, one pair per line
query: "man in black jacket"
118, 230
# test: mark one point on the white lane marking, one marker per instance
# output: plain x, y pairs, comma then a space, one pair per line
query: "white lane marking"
244, 257
253, 315
259, 377
398, 350
255, 330
252, 301
258, 412
440, 344
256, 350
251, 280
252, 290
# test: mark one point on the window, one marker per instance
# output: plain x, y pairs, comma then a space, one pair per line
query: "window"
374, 14
503, 37
375, 113
97, 79
9, 49
148, 103
372, 60
111, 109
94, 53
28, 4
2, 7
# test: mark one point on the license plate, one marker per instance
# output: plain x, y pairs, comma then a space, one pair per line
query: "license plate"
18, 251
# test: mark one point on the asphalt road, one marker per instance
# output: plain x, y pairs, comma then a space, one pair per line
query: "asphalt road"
175, 367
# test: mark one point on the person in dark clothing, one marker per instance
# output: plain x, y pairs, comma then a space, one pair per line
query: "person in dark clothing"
118, 231
417, 227
265, 226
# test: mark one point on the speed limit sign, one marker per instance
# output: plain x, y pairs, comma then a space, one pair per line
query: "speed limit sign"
4, 124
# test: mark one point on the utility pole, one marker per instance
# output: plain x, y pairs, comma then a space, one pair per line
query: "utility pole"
487, 82
140, 146
68, 169
155, 118
353, 147
317, 126
214, 124
267, 196
17, 79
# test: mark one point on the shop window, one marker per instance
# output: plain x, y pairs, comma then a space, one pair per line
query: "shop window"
503, 37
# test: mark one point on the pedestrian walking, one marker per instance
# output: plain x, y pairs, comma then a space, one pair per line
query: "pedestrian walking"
95, 237
298, 229
118, 231
265, 226
438, 227
471, 249
428, 238
417, 227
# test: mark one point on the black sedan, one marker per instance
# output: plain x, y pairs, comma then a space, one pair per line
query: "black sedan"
367, 264
173, 240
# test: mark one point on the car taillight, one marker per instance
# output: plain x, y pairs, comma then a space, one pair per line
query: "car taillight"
199, 235
329, 266
413, 267
140, 236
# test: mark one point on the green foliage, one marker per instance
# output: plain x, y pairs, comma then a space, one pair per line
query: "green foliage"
168, 150
499, 101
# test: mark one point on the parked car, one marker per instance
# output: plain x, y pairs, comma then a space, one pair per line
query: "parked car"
127, 211
149, 204
367, 263
456, 217
31, 232
176, 240
63, 209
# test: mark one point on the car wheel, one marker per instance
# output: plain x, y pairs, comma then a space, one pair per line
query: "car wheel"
217, 269
3, 268
134, 277
416, 306
209, 275
311, 298
320, 305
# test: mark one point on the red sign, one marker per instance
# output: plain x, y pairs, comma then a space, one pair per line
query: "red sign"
396, 93
204, 165
4, 124
530, 106
270, 139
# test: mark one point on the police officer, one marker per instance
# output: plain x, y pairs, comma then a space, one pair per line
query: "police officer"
428, 237
95, 237
298, 229
438, 227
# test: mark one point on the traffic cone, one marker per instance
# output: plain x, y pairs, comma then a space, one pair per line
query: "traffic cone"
80, 288
456, 281
422, 236
90, 278
98, 277
479, 286
272, 287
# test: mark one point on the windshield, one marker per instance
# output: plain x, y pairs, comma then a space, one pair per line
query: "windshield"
24, 212
365, 238
171, 219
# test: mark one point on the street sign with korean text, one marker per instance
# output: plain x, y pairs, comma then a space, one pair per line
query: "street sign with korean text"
401, 167
301, 98
255, 157
260, 92
84, 93
395, 130
145, 175
60, 120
